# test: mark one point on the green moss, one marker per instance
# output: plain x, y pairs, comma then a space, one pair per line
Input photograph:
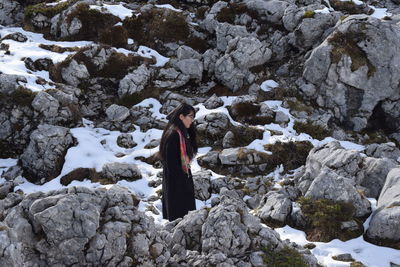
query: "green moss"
315, 131
308, 14
246, 135
297, 105
375, 137
286, 257
325, 217
291, 154
346, 43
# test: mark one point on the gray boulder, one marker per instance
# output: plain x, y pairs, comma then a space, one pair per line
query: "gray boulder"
272, 10
143, 116
135, 81
8, 83
213, 102
171, 78
210, 22
80, 226
225, 32
386, 150
202, 185
212, 128
384, 227
117, 113
191, 67
43, 159
125, 140
46, 104
332, 155
373, 175
11, 13
274, 208
242, 53
172, 100
329, 185
74, 73
357, 88
186, 52
121, 171
309, 31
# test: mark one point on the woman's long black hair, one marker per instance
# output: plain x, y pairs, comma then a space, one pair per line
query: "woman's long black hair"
174, 121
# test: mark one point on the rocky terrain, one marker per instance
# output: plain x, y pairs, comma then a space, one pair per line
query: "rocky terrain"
298, 119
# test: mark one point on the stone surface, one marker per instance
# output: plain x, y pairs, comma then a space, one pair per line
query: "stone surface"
43, 159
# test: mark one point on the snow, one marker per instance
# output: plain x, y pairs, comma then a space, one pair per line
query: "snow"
268, 85
369, 254
168, 6
147, 52
116, 10
12, 64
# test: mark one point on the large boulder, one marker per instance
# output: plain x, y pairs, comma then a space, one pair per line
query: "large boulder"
354, 73
274, 208
135, 81
80, 226
384, 227
369, 174
43, 159
11, 13
233, 69
329, 185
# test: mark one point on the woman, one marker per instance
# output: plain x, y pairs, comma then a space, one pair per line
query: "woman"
178, 147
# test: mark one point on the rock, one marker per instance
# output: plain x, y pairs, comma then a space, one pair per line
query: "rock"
171, 78
172, 100
117, 113
143, 116
74, 73
343, 257
344, 162
373, 175
310, 30
6, 188
45, 104
186, 52
212, 127
43, 159
126, 141
17, 36
242, 53
8, 83
80, 226
229, 140
272, 10
384, 225
210, 22
329, 185
191, 67
153, 144
274, 208
281, 117
213, 102
11, 13
386, 150
134, 82
202, 185
360, 91
121, 171
210, 58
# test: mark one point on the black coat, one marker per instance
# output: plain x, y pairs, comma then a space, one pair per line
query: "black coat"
178, 190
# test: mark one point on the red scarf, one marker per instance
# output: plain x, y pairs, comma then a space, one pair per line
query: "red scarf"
184, 157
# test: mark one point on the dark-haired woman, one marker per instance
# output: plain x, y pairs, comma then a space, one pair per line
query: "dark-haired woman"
177, 148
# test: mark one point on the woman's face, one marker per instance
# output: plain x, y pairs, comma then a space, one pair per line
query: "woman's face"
187, 120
